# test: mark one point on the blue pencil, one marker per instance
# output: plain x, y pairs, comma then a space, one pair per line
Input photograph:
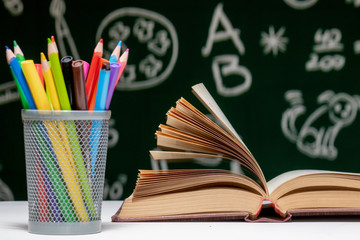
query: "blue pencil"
102, 89
19, 76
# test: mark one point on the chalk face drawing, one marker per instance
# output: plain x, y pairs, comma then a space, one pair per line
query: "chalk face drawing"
314, 138
154, 38
228, 64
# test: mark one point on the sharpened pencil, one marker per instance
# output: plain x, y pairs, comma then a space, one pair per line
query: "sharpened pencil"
94, 71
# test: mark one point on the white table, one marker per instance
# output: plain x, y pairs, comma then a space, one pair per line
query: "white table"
14, 217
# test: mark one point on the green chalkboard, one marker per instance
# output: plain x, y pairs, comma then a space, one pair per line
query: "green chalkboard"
286, 73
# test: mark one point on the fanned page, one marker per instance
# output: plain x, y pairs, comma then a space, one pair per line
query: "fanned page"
188, 133
208, 101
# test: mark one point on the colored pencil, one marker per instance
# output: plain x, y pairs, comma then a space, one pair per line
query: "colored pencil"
93, 74
50, 84
116, 53
58, 77
46, 139
39, 71
19, 78
54, 44
123, 62
18, 53
86, 70
35, 85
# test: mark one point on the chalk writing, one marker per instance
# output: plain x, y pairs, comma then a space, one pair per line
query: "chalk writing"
231, 62
326, 41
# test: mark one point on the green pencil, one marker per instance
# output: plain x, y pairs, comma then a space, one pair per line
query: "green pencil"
18, 53
53, 56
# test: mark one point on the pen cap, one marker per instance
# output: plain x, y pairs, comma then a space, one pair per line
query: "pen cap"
68, 78
79, 85
105, 66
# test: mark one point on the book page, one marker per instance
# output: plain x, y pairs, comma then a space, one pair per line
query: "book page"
208, 101
284, 177
169, 156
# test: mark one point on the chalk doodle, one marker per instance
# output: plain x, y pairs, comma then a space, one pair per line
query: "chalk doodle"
226, 65
57, 11
8, 93
153, 36
314, 138
274, 41
5, 192
14, 7
355, 2
301, 4
115, 190
326, 41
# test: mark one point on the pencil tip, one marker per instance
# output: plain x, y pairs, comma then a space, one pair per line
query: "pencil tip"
49, 40
6, 47
101, 40
15, 43
127, 50
119, 44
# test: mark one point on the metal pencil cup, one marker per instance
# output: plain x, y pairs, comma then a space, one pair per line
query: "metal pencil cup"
65, 154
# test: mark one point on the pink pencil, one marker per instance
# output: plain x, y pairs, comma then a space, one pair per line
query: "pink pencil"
123, 61
86, 68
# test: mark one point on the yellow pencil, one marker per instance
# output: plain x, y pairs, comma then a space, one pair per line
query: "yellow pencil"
68, 168
35, 85
49, 82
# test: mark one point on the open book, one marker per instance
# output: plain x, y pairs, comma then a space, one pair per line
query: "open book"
215, 194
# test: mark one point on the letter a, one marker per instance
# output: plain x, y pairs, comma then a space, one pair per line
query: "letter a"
228, 33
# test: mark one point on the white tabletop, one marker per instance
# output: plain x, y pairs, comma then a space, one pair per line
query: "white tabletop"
14, 217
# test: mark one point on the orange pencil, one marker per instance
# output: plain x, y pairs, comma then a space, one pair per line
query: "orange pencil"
54, 43
93, 74
91, 102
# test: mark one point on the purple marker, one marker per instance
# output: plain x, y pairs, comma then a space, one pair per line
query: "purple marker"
114, 72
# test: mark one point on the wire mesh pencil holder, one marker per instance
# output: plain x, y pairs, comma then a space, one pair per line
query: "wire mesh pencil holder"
65, 153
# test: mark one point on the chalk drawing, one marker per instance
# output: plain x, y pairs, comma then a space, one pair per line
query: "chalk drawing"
14, 7
300, 4
146, 30
313, 138
274, 41
57, 11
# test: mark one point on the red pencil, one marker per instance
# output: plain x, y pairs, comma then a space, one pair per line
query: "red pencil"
93, 73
